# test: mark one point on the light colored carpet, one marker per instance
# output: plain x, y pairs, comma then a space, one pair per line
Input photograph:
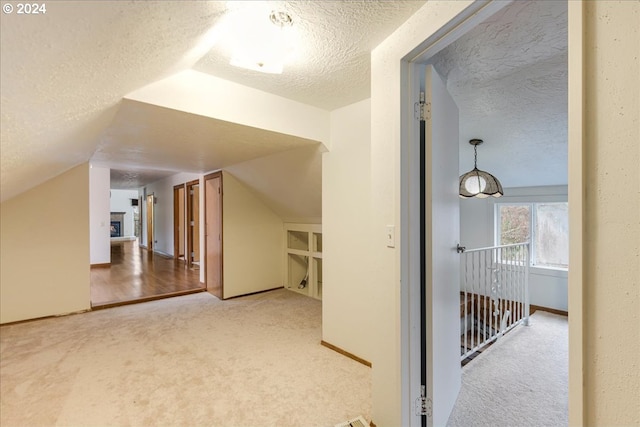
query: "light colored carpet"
191, 361
520, 381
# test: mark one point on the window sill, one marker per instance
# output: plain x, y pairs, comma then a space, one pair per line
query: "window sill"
549, 271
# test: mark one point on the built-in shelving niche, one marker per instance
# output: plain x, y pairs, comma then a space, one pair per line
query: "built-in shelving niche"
303, 259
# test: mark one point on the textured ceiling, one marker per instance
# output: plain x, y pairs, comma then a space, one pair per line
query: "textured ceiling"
508, 77
331, 65
64, 76
63, 73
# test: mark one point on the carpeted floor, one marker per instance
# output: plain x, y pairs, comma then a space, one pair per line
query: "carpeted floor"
190, 361
522, 380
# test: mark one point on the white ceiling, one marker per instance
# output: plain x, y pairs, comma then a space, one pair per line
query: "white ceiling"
331, 65
508, 77
65, 74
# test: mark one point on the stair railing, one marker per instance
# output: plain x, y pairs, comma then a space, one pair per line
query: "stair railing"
494, 294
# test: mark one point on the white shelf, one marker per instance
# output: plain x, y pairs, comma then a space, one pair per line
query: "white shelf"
303, 259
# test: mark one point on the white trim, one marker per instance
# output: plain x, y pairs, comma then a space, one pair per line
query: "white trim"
471, 17
531, 202
576, 209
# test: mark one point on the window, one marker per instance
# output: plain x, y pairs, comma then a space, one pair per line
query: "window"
544, 225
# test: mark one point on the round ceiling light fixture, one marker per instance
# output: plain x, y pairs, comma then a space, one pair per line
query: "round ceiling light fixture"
265, 43
280, 18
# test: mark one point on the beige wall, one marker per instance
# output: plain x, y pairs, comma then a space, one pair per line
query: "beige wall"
252, 238
289, 182
346, 297
45, 249
612, 213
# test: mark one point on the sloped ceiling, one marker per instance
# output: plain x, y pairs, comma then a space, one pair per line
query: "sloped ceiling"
508, 77
195, 143
65, 74
293, 173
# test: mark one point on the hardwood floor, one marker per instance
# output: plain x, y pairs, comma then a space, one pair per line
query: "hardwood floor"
137, 275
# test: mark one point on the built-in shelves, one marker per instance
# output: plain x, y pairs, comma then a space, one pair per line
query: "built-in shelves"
303, 259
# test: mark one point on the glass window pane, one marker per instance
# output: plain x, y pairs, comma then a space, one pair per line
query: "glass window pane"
552, 234
515, 224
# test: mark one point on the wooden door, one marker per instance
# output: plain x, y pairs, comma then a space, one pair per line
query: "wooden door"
150, 234
179, 231
213, 234
193, 224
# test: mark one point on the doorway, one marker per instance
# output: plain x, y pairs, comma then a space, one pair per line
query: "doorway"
429, 47
150, 234
213, 234
179, 233
193, 224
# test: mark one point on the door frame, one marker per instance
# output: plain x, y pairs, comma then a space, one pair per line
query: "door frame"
150, 220
479, 11
189, 187
176, 221
214, 175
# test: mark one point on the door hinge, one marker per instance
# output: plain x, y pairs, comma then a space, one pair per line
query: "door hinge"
422, 109
424, 405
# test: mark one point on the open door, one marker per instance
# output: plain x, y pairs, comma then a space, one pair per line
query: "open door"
150, 233
440, 270
179, 234
193, 224
213, 233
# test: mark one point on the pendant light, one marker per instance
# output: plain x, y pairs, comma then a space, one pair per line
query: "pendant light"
478, 183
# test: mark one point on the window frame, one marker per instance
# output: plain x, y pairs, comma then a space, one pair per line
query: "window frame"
531, 201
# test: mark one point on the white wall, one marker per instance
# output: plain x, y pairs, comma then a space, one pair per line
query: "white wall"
548, 287
346, 188
99, 215
252, 238
121, 202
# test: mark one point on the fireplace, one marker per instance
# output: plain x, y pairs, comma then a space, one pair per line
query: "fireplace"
117, 224
116, 228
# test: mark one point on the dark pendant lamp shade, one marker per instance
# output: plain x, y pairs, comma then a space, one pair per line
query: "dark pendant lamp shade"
478, 183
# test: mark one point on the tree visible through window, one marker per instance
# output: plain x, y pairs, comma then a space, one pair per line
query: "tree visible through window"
515, 224
544, 225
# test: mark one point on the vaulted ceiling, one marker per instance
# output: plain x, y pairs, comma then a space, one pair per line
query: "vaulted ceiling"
65, 76
508, 77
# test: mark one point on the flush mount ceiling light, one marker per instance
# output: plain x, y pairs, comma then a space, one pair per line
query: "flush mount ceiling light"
261, 41
477, 183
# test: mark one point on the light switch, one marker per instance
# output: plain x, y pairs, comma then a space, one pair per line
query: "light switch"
391, 236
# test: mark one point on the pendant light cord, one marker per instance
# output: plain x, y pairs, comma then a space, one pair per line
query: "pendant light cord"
475, 157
